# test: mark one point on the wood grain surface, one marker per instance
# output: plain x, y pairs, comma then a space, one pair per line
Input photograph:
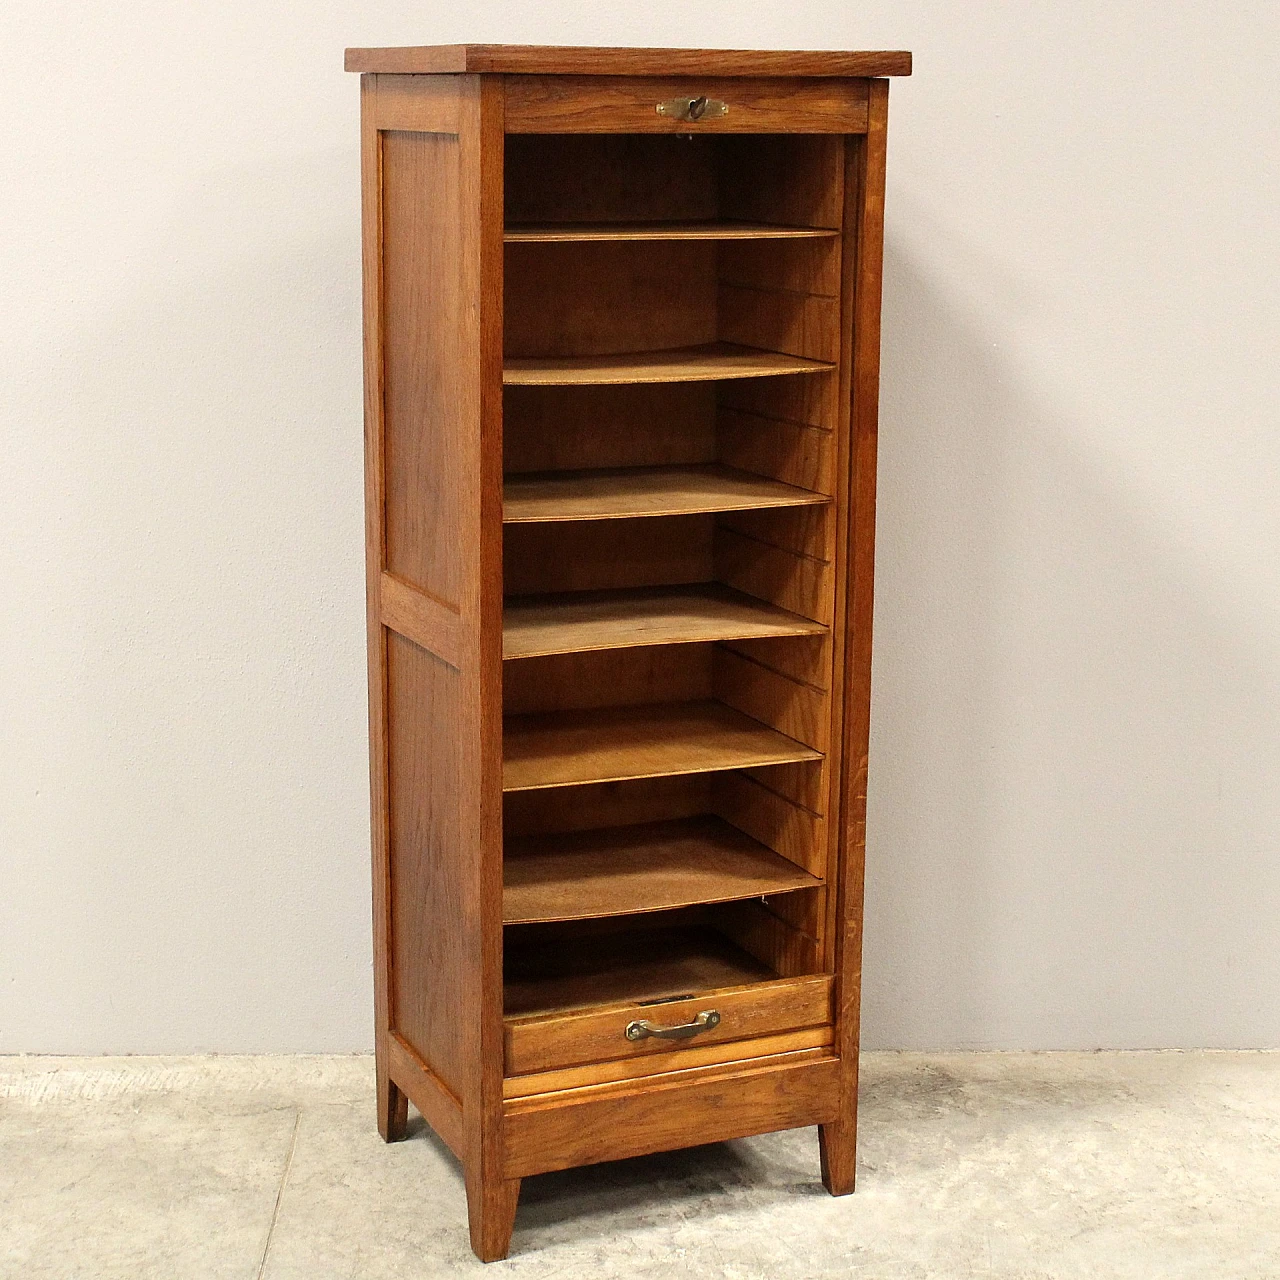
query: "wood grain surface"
702, 363
619, 493
634, 869
560, 749
589, 104
579, 621
558, 232
542, 59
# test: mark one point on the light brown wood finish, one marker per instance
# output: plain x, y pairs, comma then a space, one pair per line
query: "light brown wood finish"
392, 1102
410, 104
632, 1118
706, 363
604, 296
439, 1108
569, 748
416, 616
559, 428
491, 1199
587, 104
611, 178
609, 678
655, 615
559, 60
678, 974
759, 1049
634, 869
866, 179
583, 968
422, 369
786, 827
434, 277
661, 292
621, 493
607, 804
781, 178
555, 556
560, 232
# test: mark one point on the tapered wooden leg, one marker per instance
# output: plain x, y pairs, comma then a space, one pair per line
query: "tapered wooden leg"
393, 1107
838, 1148
491, 1208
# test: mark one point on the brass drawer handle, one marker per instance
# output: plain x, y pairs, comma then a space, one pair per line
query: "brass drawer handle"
702, 108
642, 1029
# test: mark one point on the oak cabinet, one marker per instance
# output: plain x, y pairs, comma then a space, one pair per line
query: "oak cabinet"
621, 361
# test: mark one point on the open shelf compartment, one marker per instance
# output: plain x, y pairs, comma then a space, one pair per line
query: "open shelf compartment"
632, 492
571, 991
671, 412
650, 866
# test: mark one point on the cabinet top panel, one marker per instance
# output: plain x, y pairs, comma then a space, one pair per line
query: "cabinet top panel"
540, 59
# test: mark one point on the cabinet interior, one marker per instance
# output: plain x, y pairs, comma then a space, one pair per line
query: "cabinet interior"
671, 448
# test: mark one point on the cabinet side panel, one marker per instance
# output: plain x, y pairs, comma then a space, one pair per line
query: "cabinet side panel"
422, 369
864, 249
424, 708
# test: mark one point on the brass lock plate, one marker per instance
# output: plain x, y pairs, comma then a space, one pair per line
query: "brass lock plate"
693, 109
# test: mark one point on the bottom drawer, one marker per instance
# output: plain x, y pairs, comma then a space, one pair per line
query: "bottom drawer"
614, 1122
754, 1014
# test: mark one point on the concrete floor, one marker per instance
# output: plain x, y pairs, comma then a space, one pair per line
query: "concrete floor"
1026, 1165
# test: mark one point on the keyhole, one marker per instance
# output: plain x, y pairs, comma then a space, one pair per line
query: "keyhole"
697, 107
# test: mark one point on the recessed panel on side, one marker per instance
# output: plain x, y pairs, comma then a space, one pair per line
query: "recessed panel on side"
428, 902
423, 362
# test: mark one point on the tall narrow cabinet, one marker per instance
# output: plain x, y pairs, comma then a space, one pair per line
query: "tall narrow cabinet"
621, 313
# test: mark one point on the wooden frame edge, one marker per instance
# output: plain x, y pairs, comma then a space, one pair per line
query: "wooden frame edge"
584, 1126
439, 1108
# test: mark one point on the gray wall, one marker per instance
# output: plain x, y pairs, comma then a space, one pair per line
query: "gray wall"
1075, 817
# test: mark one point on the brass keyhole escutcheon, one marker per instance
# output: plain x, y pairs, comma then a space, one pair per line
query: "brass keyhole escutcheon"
693, 109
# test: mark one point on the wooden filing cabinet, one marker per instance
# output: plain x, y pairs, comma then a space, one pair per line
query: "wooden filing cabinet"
621, 362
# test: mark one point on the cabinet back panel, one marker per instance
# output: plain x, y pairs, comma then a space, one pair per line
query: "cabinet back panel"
798, 266
796, 180
607, 804
422, 364
609, 178
608, 678
606, 297
597, 554
581, 428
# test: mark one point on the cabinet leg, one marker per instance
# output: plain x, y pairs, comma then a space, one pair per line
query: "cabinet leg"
491, 1209
393, 1107
838, 1148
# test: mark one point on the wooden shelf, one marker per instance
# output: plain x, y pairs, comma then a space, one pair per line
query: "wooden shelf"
636, 965
560, 232
706, 363
627, 492
569, 748
579, 621
652, 866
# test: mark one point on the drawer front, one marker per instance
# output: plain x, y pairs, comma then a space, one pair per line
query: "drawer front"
625, 104
550, 1041
584, 1126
